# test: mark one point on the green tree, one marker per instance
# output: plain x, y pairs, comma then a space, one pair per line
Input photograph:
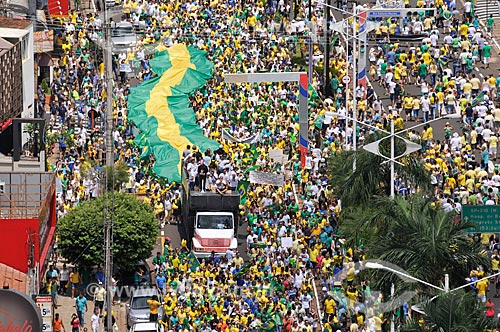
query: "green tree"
424, 240
118, 175
134, 226
372, 175
451, 312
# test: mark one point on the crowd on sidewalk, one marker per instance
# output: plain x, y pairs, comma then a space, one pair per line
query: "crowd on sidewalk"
276, 289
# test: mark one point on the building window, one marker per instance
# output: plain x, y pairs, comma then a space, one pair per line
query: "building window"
25, 47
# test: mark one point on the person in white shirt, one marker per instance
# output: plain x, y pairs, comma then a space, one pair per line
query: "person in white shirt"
425, 105
95, 320
456, 142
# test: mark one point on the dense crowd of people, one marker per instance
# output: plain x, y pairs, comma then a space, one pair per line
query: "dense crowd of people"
275, 289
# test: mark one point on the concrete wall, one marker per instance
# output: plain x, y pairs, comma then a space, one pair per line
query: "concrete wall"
29, 78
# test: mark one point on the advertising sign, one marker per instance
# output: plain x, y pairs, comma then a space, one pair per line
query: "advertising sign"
44, 304
44, 41
18, 312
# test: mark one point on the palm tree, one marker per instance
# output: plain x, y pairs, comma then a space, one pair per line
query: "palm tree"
371, 176
424, 240
451, 312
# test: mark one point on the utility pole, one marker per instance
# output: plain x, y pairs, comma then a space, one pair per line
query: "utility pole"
327, 49
109, 205
310, 67
354, 79
393, 190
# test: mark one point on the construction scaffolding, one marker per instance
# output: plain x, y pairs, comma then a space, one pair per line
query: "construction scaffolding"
25, 195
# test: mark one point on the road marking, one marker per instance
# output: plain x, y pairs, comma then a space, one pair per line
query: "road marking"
481, 75
477, 69
162, 233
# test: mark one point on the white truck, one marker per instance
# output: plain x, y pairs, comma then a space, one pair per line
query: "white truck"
210, 220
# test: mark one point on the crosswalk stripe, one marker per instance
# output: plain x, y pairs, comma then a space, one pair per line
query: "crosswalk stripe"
484, 9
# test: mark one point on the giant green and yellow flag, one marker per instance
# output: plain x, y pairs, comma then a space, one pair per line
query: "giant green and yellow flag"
160, 107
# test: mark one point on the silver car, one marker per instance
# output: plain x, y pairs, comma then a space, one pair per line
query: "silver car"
123, 36
138, 307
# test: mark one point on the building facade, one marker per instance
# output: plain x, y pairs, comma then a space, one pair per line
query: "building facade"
11, 90
18, 31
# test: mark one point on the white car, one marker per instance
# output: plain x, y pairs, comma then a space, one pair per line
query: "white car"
146, 327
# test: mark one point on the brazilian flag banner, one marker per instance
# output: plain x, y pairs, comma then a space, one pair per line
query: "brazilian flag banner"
243, 189
479, 99
244, 269
160, 107
193, 262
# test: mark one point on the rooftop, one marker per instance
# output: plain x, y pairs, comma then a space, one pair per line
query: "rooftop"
5, 46
14, 23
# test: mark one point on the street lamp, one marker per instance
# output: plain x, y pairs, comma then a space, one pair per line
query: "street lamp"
378, 266
446, 289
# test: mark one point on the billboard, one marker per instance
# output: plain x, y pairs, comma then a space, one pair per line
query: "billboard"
18, 312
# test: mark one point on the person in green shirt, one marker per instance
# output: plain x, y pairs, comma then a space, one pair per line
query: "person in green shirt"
159, 259
422, 70
334, 82
486, 55
490, 23
469, 64
383, 71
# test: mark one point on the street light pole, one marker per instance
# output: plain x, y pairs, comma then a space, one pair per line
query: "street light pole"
393, 194
326, 60
446, 289
354, 82
110, 161
310, 67
378, 266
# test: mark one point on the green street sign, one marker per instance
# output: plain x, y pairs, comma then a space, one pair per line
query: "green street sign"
486, 218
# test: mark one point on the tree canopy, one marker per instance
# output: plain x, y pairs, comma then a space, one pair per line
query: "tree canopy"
135, 230
424, 240
371, 176
457, 311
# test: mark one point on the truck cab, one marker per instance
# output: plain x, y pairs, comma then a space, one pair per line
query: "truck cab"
214, 232
210, 220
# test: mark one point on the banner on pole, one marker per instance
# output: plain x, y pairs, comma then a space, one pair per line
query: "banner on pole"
267, 178
250, 140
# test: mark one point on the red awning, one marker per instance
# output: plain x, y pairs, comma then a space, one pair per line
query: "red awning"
46, 251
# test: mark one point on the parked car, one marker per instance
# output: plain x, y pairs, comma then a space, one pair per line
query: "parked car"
137, 308
123, 36
147, 327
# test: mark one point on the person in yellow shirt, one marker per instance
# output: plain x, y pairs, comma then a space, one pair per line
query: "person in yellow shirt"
329, 308
493, 144
252, 22
464, 30
482, 286
154, 304
408, 106
416, 109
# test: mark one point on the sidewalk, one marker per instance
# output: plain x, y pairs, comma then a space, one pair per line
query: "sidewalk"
66, 307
